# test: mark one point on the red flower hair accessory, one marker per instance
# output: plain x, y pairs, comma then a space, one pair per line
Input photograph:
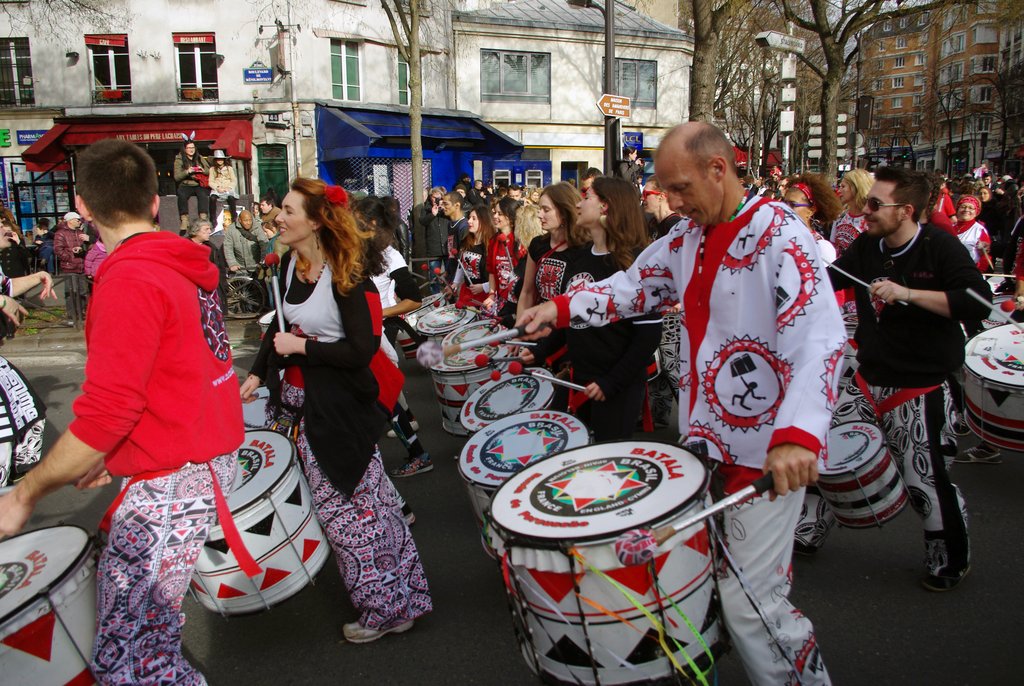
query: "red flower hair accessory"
336, 195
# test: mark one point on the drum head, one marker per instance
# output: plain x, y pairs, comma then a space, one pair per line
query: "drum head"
465, 334
263, 458
598, 491
998, 355
992, 321
254, 414
850, 445
499, 399
850, 323
33, 562
442, 320
508, 445
266, 319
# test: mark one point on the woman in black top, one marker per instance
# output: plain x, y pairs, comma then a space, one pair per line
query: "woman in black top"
550, 256
611, 361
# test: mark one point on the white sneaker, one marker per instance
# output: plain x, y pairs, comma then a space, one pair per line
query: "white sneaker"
357, 633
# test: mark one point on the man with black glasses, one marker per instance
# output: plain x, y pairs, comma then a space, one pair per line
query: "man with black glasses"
909, 341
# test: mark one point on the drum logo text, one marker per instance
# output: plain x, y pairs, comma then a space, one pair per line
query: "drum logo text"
17, 575
675, 470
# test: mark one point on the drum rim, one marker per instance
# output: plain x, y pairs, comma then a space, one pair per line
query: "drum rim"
43, 592
511, 539
849, 467
277, 482
436, 331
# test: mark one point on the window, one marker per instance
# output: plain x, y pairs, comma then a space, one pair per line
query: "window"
983, 124
953, 45
16, 85
502, 177
887, 26
904, 21
983, 94
901, 42
878, 84
520, 76
897, 103
917, 119
983, 65
111, 73
918, 81
898, 62
345, 70
915, 139
534, 178
873, 142
879, 65
985, 34
881, 46
920, 59
922, 19
917, 101
638, 79
403, 82
897, 82
197, 66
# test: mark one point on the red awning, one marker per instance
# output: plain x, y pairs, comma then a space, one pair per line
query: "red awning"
117, 40
774, 158
741, 156
231, 134
193, 37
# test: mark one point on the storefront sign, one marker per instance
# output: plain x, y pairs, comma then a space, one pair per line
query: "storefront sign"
29, 137
5, 138
633, 139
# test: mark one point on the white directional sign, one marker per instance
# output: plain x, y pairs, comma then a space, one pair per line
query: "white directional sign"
773, 40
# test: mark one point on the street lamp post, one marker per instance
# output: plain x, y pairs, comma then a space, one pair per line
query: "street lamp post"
611, 124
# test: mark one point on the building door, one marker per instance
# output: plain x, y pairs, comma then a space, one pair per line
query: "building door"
272, 166
571, 172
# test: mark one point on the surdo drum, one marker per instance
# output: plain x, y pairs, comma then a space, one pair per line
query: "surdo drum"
574, 605
273, 510
503, 398
508, 445
458, 376
254, 414
860, 479
47, 607
994, 386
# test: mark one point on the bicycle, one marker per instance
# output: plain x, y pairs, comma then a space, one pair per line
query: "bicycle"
247, 296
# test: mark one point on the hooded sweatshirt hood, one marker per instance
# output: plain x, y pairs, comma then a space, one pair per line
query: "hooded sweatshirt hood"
162, 248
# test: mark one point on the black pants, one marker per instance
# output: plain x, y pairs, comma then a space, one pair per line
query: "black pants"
615, 417
201, 194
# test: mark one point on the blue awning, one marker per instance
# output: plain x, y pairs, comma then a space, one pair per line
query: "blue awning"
344, 132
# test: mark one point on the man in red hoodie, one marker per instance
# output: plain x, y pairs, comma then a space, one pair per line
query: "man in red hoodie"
158, 367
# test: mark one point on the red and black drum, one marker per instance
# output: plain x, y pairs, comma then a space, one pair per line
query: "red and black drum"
505, 397
860, 480
458, 376
994, 386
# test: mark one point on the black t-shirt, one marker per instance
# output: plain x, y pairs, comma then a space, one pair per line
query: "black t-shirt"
907, 346
552, 267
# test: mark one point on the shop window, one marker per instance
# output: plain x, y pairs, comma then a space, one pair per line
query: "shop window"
16, 85
403, 82
197, 66
519, 76
111, 71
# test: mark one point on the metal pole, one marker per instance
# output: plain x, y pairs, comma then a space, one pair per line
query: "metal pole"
611, 124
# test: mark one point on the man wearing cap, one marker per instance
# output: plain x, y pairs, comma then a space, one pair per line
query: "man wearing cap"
70, 243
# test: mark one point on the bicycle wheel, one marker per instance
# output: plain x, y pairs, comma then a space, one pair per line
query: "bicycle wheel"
246, 296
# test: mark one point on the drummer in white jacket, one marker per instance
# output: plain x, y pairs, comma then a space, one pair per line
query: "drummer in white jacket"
760, 352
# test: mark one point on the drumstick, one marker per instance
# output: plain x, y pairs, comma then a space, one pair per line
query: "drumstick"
853, 278
431, 353
996, 309
272, 260
544, 374
637, 546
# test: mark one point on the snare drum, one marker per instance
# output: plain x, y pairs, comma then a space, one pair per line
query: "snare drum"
994, 386
458, 376
504, 447
273, 510
992, 320
254, 414
860, 479
47, 607
572, 622
499, 399
441, 321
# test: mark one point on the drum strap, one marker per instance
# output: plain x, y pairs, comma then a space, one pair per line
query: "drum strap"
893, 401
227, 523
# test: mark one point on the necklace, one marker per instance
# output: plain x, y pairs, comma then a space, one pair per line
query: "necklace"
738, 208
319, 273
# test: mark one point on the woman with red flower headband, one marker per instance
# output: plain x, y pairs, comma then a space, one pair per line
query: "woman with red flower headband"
972, 233
337, 382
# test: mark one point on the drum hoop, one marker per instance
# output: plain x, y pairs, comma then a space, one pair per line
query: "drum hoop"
292, 458
527, 541
44, 592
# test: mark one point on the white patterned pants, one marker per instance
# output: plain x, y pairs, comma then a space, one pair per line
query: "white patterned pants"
759, 538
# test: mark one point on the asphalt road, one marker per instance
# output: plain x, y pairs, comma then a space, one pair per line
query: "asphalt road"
875, 624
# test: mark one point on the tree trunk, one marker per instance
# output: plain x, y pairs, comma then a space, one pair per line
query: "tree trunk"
415, 103
705, 55
829, 111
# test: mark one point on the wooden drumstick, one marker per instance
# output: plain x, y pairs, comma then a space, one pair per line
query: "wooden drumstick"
544, 374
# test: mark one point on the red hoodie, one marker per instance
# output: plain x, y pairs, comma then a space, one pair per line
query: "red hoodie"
160, 389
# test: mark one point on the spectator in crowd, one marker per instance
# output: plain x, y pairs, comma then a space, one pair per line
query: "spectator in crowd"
435, 234
940, 197
244, 245
70, 243
94, 258
223, 185
191, 173
200, 233
453, 208
15, 258
631, 168
43, 239
588, 178
853, 192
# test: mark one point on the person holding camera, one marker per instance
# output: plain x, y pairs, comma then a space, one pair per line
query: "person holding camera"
435, 225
